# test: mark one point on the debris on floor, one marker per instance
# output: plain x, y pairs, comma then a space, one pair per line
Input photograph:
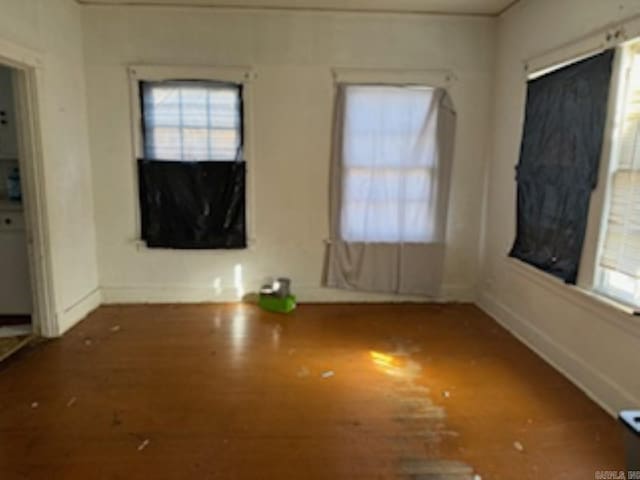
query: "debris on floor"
88, 342
71, 401
446, 394
115, 328
518, 446
328, 374
303, 372
115, 421
477, 477
35, 404
143, 445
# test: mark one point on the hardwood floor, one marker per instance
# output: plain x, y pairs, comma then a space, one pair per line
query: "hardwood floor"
328, 392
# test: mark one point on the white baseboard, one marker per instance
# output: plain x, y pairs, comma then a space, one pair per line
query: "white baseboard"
304, 294
597, 386
78, 310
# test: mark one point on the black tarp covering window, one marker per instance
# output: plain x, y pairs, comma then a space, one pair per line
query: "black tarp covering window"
558, 169
192, 205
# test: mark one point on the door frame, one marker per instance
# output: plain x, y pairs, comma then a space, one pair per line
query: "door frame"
27, 75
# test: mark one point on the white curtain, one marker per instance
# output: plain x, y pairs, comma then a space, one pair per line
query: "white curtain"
389, 188
389, 158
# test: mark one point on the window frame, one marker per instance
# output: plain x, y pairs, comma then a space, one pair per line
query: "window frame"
243, 76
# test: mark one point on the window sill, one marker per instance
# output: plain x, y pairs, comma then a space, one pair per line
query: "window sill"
614, 312
141, 246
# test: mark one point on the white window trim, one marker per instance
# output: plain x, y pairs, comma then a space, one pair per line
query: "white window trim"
240, 75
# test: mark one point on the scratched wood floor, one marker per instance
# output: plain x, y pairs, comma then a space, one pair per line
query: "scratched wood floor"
330, 392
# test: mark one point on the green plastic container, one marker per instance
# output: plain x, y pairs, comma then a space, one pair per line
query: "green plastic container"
271, 303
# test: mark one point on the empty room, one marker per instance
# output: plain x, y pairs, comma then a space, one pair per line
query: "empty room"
320, 239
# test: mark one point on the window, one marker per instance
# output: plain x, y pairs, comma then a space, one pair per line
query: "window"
619, 260
191, 120
191, 170
389, 163
390, 170
562, 140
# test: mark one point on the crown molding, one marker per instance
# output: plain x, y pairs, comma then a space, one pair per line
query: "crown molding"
232, 7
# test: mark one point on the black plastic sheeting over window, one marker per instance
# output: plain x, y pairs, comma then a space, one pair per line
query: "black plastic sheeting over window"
558, 169
192, 205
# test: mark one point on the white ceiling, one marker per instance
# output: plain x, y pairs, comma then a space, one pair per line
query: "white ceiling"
465, 7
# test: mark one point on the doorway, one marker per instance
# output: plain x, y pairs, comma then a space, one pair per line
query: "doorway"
26, 306
16, 306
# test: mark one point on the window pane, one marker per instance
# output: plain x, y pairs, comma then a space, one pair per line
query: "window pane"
224, 143
191, 121
224, 108
620, 286
194, 108
196, 143
164, 143
388, 157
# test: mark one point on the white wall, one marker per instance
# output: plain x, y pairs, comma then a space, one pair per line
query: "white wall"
595, 345
292, 54
53, 29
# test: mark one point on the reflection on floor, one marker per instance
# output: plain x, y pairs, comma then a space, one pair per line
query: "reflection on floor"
329, 392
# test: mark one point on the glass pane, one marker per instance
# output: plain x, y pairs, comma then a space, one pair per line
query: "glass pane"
620, 286
165, 143
224, 108
194, 107
224, 143
196, 146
